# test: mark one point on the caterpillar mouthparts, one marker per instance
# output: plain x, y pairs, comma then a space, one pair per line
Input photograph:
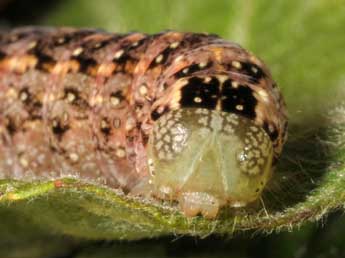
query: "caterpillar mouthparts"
186, 117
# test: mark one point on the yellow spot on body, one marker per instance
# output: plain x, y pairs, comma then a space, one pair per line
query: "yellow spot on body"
106, 70
143, 90
71, 97
202, 64
11, 93
197, 100
74, 157
159, 58
51, 97
174, 44
120, 152
24, 162
236, 64
32, 44
19, 64
222, 78
104, 124
135, 44
234, 84
77, 51
55, 123
65, 67
263, 94
178, 59
114, 101
239, 107
118, 54
207, 79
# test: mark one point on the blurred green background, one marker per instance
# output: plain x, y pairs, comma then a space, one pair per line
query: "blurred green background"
303, 44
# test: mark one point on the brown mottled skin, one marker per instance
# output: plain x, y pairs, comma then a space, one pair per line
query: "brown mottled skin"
82, 102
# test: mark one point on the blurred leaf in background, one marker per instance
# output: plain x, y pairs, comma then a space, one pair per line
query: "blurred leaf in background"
301, 41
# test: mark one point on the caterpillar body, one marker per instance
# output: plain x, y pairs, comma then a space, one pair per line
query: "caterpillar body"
179, 116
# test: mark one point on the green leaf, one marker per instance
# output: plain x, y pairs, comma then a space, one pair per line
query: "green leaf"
301, 41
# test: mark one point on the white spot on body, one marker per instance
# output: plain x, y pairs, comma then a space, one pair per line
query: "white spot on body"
77, 51
239, 107
118, 54
174, 44
159, 58
197, 100
254, 69
185, 70
236, 64
23, 96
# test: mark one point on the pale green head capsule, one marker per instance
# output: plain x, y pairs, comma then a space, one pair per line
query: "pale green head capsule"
206, 159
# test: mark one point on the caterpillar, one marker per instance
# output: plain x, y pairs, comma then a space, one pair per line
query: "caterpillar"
187, 117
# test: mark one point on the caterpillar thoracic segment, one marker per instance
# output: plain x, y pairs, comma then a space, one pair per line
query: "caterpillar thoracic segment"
181, 116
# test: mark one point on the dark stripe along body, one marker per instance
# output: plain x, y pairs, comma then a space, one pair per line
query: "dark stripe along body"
77, 102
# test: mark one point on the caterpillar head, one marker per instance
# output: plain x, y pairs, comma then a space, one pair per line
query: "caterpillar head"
206, 159
209, 152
